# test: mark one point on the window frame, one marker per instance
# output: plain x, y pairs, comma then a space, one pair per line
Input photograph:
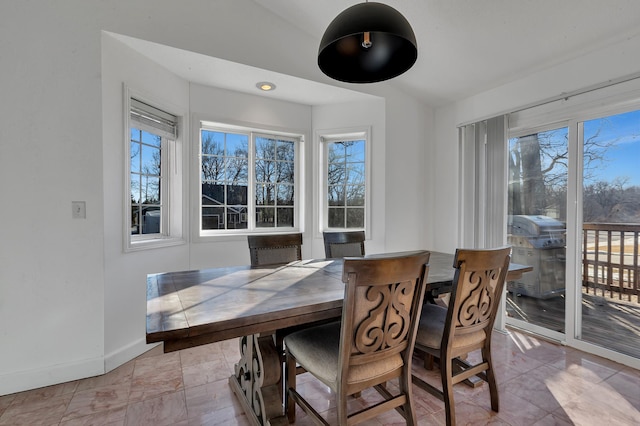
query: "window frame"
325, 137
172, 182
201, 122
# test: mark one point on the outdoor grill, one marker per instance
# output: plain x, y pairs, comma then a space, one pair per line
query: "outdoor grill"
538, 241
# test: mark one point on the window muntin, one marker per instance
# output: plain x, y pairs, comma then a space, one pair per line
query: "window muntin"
345, 182
145, 182
224, 179
275, 182
236, 196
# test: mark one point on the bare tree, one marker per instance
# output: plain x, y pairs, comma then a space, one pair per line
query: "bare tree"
212, 158
538, 165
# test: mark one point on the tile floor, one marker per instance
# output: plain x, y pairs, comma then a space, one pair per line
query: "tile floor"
540, 384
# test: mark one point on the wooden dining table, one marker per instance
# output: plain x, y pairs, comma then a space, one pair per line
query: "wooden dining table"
192, 308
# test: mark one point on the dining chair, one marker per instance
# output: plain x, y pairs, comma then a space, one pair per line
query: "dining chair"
265, 250
342, 244
450, 333
370, 345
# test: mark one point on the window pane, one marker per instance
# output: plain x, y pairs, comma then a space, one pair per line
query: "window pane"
265, 171
237, 194
150, 160
150, 189
212, 193
355, 195
336, 195
336, 152
135, 157
355, 218
135, 220
236, 217
265, 217
224, 177
355, 151
237, 170
135, 188
336, 218
286, 151
265, 148
345, 183
145, 174
151, 139
212, 142
212, 168
285, 216
151, 220
237, 145
355, 173
213, 218
285, 195
285, 172
265, 195
335, 173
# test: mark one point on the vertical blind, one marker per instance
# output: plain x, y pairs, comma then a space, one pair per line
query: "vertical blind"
483, 181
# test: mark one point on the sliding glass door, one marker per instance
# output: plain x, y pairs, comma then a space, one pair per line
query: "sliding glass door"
536, 229
609, 312
585, 252
572, 212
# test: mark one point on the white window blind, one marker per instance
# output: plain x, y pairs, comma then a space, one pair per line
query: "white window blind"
153, 117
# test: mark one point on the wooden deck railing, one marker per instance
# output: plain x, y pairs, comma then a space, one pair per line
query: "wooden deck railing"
610, 260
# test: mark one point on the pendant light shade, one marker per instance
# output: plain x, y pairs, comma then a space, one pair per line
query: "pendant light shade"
367, 43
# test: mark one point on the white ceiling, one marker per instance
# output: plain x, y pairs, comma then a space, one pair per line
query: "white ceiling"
464, 46
469, 46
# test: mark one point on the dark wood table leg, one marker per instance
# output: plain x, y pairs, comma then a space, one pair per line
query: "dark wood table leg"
257, 380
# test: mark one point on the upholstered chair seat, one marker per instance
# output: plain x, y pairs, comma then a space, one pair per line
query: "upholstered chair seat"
449, 334
370, 345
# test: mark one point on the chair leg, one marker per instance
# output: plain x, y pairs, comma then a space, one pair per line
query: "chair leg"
491, 380
408, 411
428, 362
290, 383
446, 371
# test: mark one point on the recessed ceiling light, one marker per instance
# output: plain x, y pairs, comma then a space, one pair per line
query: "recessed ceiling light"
265, 86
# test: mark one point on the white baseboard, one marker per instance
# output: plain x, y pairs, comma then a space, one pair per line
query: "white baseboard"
51, 375
126, 353
61, 373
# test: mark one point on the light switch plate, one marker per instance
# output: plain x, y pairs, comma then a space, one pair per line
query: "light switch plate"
78, 210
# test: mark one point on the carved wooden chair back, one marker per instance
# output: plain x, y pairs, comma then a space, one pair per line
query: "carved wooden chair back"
373, 343
343, 244
274, 249
449, 334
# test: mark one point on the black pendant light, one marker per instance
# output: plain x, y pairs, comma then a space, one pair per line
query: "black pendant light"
367, 43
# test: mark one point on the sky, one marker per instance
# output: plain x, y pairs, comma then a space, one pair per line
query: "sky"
623, 157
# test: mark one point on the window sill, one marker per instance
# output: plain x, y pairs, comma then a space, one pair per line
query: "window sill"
153, 244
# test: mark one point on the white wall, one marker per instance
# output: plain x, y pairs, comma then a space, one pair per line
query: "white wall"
125, 273
71, 303
51, 266
409, 180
